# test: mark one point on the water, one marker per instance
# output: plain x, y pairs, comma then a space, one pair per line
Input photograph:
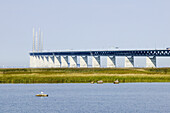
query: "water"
86, 98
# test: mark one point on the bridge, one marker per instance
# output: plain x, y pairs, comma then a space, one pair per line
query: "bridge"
70, 58
40, 59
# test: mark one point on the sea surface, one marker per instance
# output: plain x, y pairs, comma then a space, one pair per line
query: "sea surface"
86, 98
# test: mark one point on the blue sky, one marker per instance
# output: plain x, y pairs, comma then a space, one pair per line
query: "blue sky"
81, 24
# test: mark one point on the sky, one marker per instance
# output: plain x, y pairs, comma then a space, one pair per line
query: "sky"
82, 25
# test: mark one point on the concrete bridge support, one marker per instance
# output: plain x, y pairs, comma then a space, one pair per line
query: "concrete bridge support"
95, 61
83, 61
111, 61
151, 61
46, 60
129, 61
37, 62
51, 61
64, 61
57, 61
32, 61
41, 61
73, 61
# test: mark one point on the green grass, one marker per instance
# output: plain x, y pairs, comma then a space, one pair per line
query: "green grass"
84, 75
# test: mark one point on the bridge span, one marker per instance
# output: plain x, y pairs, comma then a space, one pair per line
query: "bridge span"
70, 58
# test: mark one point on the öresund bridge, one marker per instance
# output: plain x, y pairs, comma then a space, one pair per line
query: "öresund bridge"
40, 59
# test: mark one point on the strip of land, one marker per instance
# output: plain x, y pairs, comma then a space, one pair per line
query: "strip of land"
84, 75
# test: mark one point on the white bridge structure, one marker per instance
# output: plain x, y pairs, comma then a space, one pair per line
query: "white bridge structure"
71, 58
41, 59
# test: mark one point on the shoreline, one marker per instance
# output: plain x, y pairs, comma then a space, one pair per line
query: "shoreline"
84, 83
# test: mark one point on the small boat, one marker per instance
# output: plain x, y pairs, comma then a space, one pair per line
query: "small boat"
42, 95
116, 82
92, 82
100, 82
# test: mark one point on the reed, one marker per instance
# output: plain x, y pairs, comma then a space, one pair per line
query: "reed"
84, 75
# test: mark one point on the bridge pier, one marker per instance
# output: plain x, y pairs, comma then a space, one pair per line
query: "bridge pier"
111, 61
51, 61
37, 61
41, 62
64, 61
129, 61
46, 60
73, 61
95, 61
151, 61
57, 61
83, 61
32, 61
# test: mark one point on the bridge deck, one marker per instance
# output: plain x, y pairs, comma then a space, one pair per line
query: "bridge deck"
106, 53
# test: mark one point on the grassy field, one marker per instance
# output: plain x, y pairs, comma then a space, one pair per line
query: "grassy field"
84, 75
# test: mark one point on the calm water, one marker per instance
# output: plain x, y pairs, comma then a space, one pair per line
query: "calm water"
85, 98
